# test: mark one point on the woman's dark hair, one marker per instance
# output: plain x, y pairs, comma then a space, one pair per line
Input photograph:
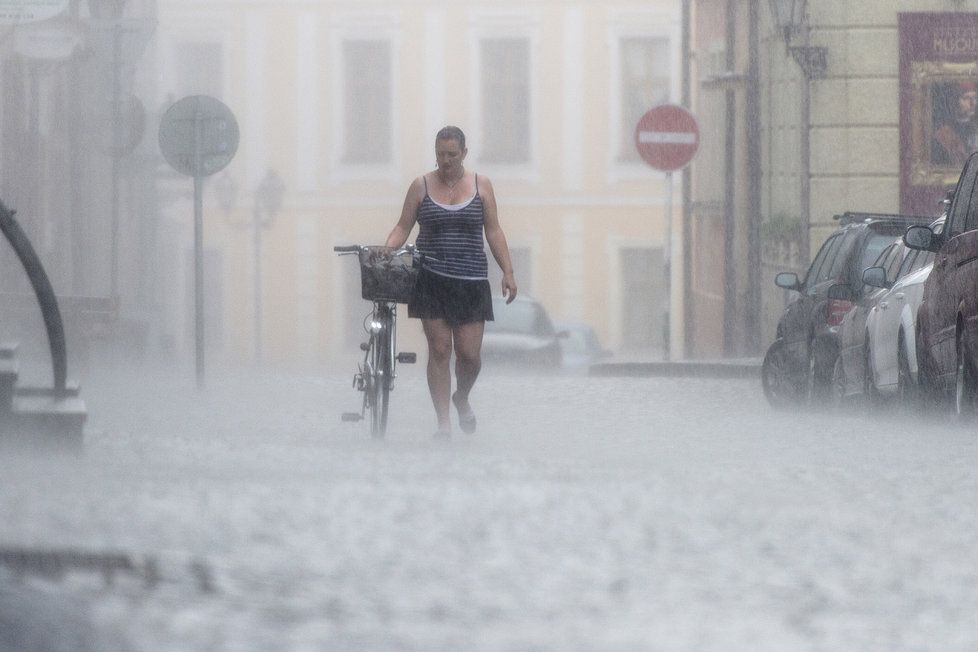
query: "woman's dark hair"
451, 133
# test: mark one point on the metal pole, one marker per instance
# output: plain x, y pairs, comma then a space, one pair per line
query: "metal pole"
752, 322
729, 191
199, 248
667, 261
258, 305
687, 196
116, 146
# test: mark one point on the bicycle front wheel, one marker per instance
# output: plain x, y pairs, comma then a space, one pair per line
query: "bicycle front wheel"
383, 393
381, 378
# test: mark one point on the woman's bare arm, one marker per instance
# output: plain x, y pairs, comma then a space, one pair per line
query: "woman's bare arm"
497, 239
409, 215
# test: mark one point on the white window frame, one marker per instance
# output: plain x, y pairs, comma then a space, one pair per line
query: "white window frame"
503, 24
203, 27
656, 23
366, 26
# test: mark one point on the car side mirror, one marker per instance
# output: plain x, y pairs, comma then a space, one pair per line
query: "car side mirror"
842, 292
875, 277
921, 238
787, 280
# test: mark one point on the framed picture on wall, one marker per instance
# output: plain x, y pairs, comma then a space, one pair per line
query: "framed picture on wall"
944, 120
938, 59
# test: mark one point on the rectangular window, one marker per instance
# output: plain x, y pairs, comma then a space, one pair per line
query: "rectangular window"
200, 69
644, 65
367, 99
505, 100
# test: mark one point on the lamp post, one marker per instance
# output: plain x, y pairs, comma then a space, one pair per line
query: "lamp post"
268, 202
791, 18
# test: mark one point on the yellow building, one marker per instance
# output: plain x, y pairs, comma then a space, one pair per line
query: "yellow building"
821, 107
342, 100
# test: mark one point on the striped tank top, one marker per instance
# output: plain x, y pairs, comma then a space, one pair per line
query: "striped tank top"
453, 235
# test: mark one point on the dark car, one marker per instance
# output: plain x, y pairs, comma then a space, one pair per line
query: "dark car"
798, 366
521, 334
947, 321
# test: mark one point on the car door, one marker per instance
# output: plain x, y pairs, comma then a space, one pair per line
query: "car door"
857, 318
884, 323
946, 281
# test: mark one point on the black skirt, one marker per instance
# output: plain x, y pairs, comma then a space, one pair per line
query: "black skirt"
456, 300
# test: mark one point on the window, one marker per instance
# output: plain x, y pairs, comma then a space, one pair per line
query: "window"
505, 88
644, 70
893, 261
813, 270
962, 200
909, 263
836, 262
200, 69
367, 100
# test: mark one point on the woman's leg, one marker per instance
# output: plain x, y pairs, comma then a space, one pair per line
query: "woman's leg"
439, 335
468, 361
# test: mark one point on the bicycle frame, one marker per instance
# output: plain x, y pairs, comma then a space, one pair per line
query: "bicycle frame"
375, 376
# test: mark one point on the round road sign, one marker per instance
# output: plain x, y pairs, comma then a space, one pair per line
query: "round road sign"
198, 135
667, 137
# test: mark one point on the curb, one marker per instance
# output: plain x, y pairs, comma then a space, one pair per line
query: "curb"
688, 369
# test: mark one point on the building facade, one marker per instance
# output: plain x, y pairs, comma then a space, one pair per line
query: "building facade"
341, 99
821, 107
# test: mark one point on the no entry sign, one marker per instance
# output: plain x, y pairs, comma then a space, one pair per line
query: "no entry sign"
667, 137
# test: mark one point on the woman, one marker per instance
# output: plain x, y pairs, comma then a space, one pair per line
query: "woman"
453, 207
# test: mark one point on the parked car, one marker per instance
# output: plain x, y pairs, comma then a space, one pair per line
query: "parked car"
893, 328
947, 328
521, 334
579, 345
799, 364
854, 372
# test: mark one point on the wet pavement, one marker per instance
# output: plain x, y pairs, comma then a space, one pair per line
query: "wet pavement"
610, 513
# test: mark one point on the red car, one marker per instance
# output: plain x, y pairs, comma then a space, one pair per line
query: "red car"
947, 328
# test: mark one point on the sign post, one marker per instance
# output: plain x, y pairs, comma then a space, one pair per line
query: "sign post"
667, 138
198, 137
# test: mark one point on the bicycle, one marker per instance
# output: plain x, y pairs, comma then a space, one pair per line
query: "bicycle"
387, 278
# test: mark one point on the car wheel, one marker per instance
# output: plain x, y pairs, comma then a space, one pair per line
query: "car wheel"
964, 384
780, 388
906, 388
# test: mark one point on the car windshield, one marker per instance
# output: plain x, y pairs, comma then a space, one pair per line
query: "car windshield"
519, 317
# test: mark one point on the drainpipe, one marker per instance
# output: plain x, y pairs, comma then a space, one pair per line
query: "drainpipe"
687, 198
752, 321
729, 187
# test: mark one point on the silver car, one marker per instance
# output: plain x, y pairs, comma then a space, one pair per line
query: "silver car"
522, 334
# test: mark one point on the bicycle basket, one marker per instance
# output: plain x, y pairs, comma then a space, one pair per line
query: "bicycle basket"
387, 278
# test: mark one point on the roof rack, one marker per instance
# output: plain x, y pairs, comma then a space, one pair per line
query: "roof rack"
851, 217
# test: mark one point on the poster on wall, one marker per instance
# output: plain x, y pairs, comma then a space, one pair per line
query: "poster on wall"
938, 105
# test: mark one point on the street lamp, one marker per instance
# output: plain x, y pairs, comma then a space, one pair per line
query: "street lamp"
790, 17
268, 202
